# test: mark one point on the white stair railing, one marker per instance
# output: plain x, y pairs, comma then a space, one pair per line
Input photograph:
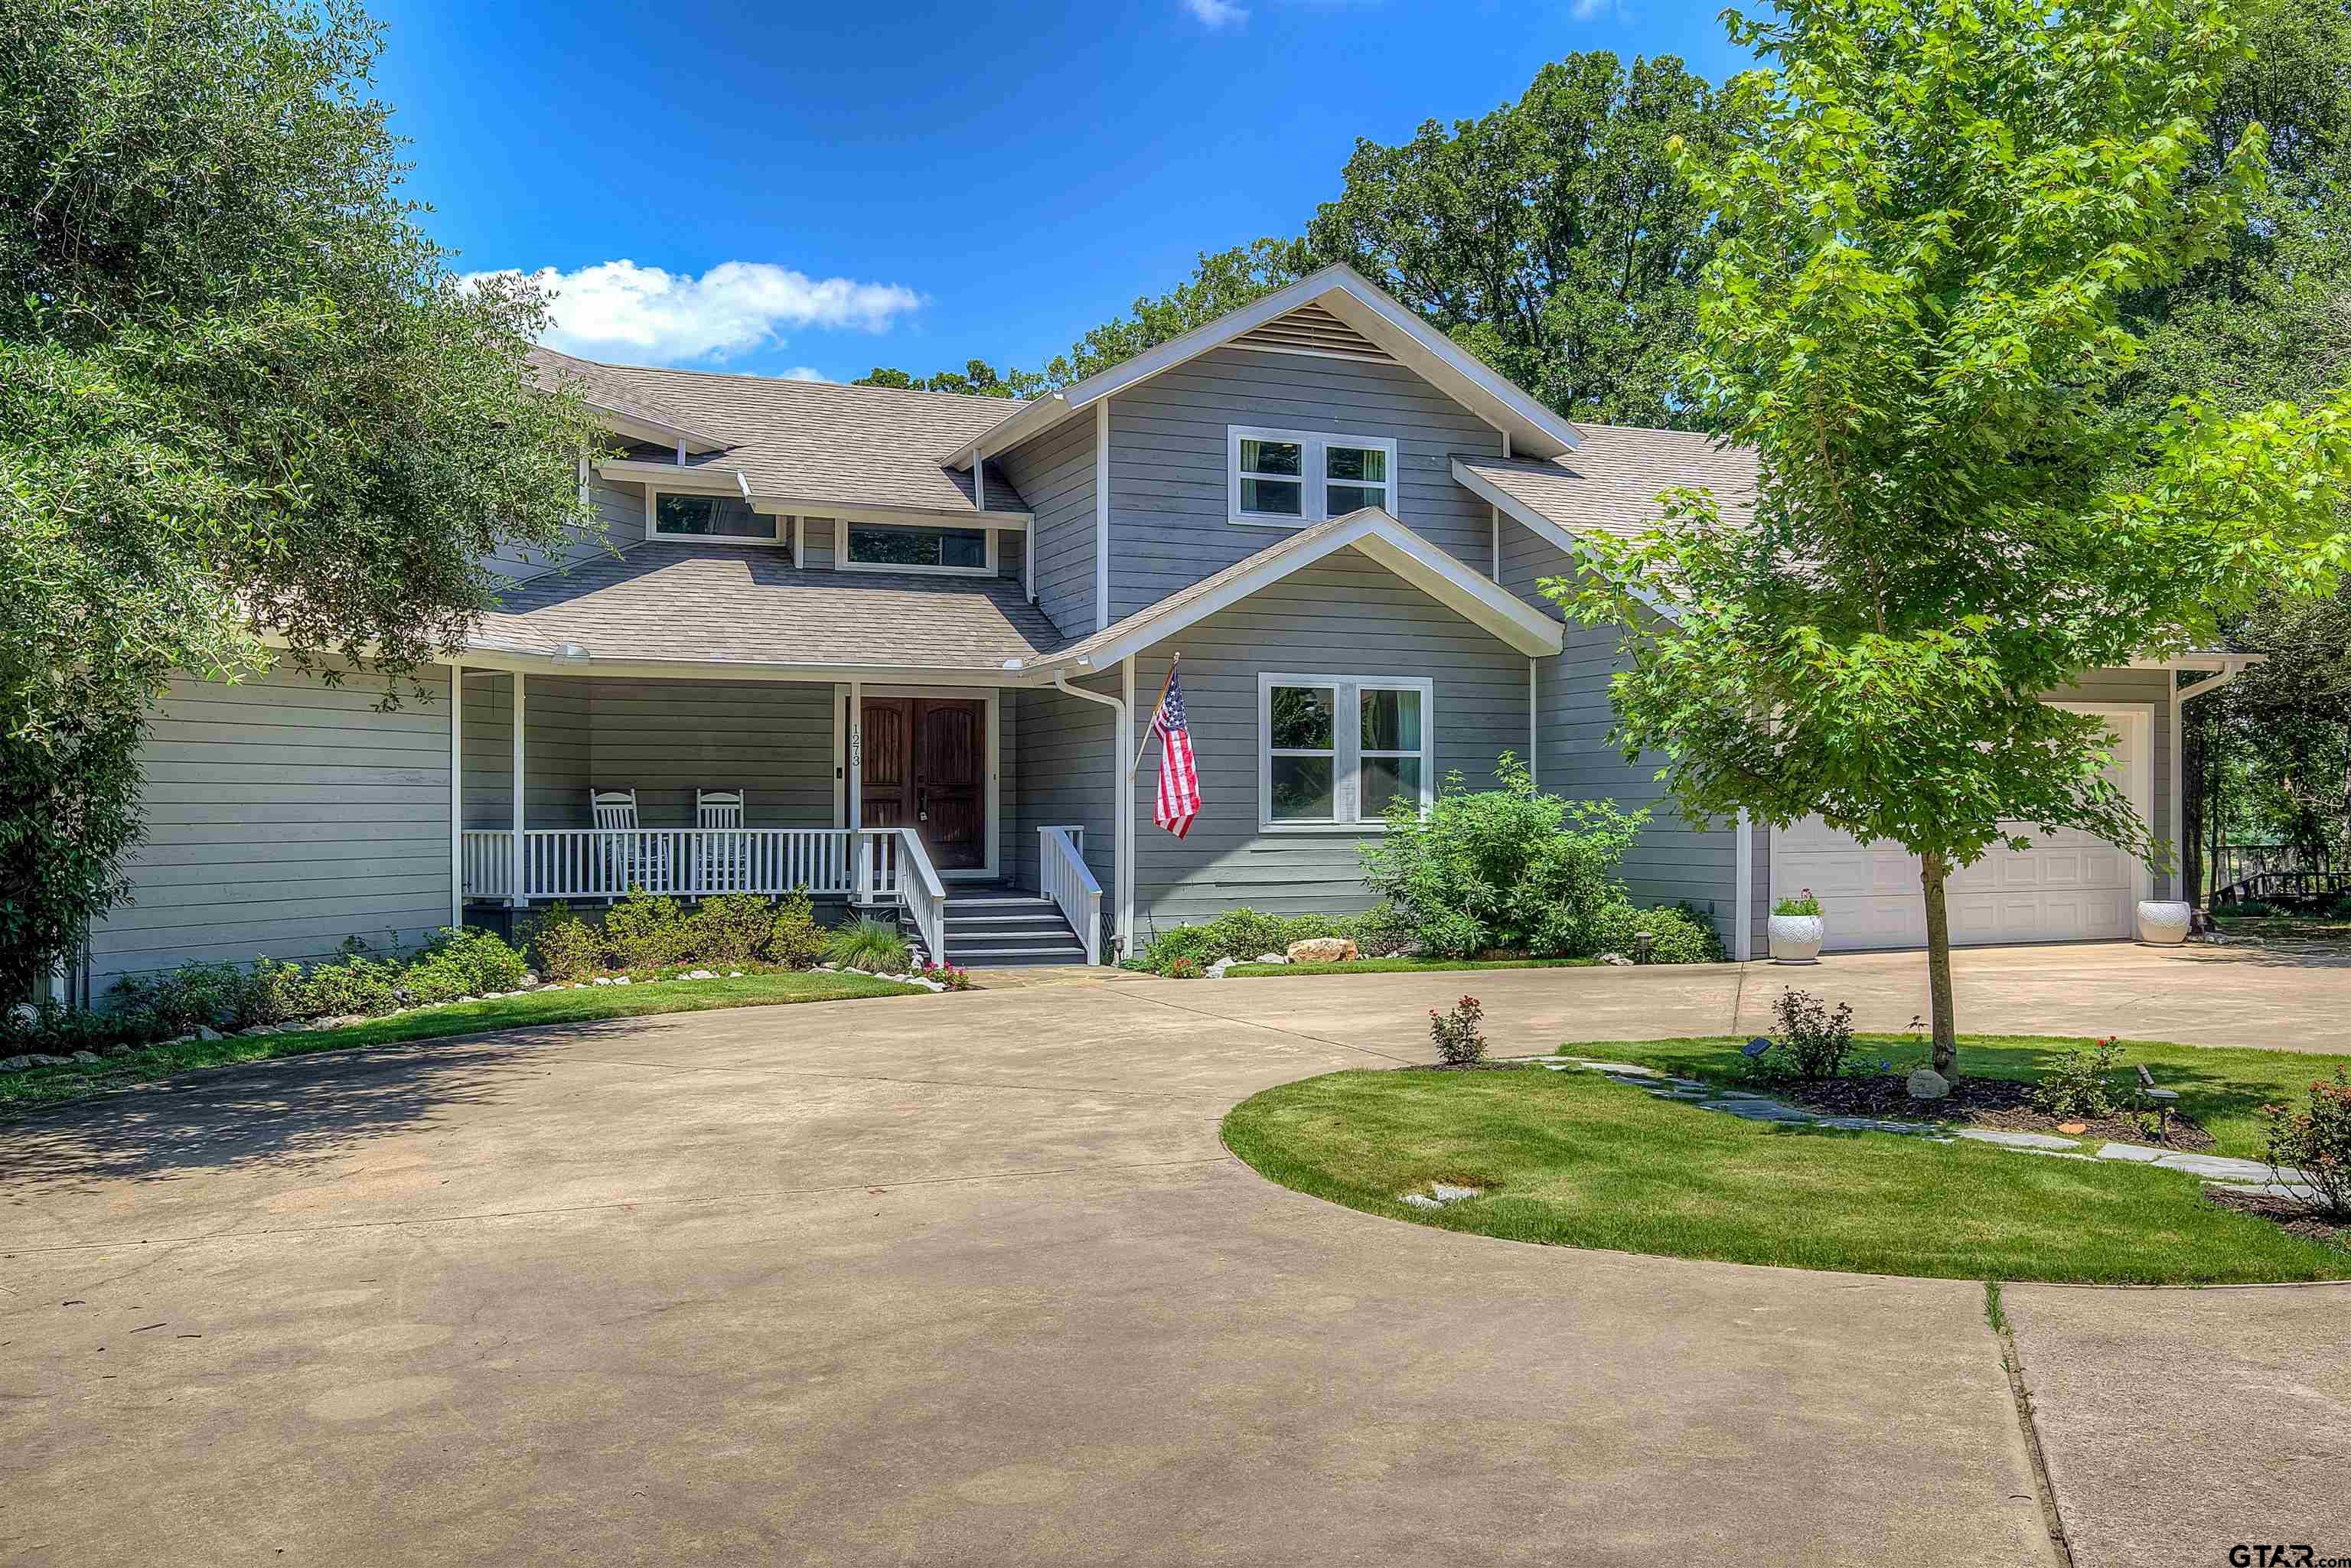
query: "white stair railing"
919, 888
1062, 876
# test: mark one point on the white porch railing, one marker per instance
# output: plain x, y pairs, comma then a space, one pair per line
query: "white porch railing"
1062, 876
690, 863
877, 866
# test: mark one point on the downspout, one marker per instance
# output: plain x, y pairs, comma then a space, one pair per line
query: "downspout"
1122, 875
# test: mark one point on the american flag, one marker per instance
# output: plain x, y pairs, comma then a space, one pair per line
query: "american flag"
1179, 779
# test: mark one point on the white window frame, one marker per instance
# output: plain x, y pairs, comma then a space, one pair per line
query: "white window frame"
1347, 755
785, 525
1314, 479
842, 525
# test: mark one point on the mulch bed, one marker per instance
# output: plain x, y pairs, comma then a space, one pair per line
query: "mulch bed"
2291, 1216
2001, 1103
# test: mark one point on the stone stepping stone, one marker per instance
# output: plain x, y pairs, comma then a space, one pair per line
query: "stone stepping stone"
1756, 1110
2016, 1140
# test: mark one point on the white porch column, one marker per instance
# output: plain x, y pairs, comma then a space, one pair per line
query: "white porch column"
517, 893
856, 794
456, 793
1124, 818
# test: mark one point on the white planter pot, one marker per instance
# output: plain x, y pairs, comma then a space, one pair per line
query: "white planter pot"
1797, 938
2163, 923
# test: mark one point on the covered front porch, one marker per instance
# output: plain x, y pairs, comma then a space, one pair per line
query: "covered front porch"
878, 796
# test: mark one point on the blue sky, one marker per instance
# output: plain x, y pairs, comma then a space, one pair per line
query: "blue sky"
814, 190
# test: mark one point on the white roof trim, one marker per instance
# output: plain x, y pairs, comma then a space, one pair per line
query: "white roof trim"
1467, 592
637, 427
716, 478
491, 654
1355, 300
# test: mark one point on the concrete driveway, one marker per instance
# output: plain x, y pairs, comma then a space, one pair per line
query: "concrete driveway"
964, 1279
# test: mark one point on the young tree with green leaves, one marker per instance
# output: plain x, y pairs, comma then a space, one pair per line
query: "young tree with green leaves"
1933, 214
247, 413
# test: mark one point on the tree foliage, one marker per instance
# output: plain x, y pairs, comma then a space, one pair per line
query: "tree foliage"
1933, 216
1553, 238
245, 411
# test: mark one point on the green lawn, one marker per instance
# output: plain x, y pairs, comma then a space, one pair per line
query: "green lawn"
1403, 966
46, 1086
1569, 1159
2222, 1089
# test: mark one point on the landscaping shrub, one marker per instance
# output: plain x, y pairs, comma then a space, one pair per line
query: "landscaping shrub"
2075, 1085
435, 980
1679, 935
354, 984
729, 929
1808, 904
1509, 868
645, 931
1182, 968
201, 995
1813, 1040
478, 959
868, 943
948, 975
567, 945
1458, 1041
1245, 933
2316, 1140
794, 938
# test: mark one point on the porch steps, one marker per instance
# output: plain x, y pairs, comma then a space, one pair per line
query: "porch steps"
995, 929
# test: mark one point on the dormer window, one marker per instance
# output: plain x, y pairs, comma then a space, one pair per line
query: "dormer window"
709, 516
1289, 478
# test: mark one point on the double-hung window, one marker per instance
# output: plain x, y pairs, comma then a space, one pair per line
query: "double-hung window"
1288, 478
1333, 750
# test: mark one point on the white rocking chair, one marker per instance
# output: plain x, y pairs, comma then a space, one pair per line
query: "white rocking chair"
724, 848
638, 860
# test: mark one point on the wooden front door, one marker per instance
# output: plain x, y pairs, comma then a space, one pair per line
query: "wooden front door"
925, 767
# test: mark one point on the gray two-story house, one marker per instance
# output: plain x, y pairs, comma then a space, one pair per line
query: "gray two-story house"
902, 648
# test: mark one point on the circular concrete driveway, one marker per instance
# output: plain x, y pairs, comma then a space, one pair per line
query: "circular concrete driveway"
960, 1279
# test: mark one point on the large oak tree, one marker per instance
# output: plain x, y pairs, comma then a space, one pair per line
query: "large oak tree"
247, 413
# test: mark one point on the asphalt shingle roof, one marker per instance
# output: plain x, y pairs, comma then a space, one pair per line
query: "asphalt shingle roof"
674, 600
1612, 482
810, 441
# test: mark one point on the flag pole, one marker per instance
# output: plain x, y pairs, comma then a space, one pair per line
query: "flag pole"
1136, 766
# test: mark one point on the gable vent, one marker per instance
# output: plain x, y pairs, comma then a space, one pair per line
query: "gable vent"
1310, 330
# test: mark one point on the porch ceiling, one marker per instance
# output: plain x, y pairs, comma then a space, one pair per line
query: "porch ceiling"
722, 604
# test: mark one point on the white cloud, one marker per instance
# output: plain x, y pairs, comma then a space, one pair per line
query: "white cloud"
1216, 12
1585, 10
619, 310
806, 374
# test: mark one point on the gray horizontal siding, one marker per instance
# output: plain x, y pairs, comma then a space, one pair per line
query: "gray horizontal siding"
1671, 861
282, 815
1055, 474
620, 508
1170, 513
1064, 748
1344, 616
662, 738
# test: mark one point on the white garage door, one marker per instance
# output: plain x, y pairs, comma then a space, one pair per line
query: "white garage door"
2068, 887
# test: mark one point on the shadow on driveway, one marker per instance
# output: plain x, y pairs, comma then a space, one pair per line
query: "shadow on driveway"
281, 1114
